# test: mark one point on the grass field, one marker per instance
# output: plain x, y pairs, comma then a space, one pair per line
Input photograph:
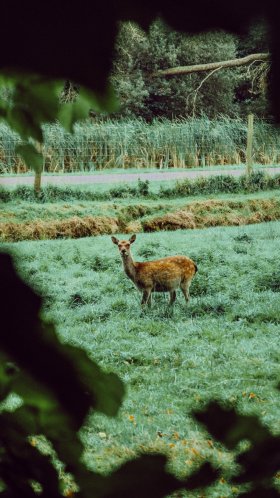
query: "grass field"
223, 345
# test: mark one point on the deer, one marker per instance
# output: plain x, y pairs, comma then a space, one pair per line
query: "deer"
160, 275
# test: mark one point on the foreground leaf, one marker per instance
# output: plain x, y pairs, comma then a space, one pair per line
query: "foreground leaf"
229, 427
76, 382
86, 101
32, 158
146, 477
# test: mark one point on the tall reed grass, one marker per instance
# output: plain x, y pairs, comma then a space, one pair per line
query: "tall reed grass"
184, 143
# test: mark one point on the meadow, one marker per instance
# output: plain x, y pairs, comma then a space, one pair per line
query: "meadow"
223, 345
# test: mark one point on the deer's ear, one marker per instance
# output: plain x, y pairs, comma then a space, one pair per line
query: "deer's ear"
132, 239
115, 240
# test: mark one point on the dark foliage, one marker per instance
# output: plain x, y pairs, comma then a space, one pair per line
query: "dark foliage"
67, 56
260, 463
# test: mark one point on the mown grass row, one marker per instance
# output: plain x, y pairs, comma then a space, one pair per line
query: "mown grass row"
223, 345
143, 218
135, 143
257, 181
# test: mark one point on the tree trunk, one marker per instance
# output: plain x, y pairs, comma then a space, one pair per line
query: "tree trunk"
37, 182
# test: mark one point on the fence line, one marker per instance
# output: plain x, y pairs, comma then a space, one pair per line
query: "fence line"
133, 143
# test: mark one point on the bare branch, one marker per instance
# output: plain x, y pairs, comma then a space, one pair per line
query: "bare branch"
200, 85
175, 71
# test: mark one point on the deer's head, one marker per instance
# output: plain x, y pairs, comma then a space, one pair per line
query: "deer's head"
124, 245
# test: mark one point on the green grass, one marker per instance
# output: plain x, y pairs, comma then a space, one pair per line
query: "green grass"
223, 345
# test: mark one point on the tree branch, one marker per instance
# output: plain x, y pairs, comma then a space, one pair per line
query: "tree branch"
175, 71
199, 86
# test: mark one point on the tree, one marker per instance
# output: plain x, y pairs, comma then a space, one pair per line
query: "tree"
140, 66
252, 90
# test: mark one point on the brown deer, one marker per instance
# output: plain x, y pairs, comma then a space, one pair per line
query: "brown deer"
160, 275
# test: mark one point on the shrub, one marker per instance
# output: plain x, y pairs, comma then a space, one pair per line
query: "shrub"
204, 185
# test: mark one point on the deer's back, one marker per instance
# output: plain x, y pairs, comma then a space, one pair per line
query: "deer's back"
165, 273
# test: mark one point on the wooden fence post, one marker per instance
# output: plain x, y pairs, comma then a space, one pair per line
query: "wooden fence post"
249, 150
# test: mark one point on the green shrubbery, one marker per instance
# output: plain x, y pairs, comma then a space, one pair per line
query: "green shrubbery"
222, 183
205, 185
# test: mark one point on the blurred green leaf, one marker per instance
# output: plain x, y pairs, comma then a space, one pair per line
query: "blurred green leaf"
102, 102
203, 477
20, 461
39, 95
86, 101
8, 373
147, 476
75, 381
105, 389
35, 101
144, 476
23, 122
31, 156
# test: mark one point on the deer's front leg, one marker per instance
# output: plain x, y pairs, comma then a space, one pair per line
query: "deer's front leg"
146, 297
172, 297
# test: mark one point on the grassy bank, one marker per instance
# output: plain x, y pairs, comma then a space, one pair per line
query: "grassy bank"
223, 345
35, 221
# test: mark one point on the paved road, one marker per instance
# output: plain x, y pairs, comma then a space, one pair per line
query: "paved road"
124, 177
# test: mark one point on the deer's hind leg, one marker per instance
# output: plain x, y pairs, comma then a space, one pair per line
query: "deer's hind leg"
185, 287
172, 297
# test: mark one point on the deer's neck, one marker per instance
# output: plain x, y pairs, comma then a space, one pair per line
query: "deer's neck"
129, 266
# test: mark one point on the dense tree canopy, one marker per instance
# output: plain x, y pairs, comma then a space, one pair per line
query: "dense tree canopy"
252, 89
139, 54
145, 91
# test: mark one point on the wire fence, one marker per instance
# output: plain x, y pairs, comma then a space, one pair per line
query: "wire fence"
187, 143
